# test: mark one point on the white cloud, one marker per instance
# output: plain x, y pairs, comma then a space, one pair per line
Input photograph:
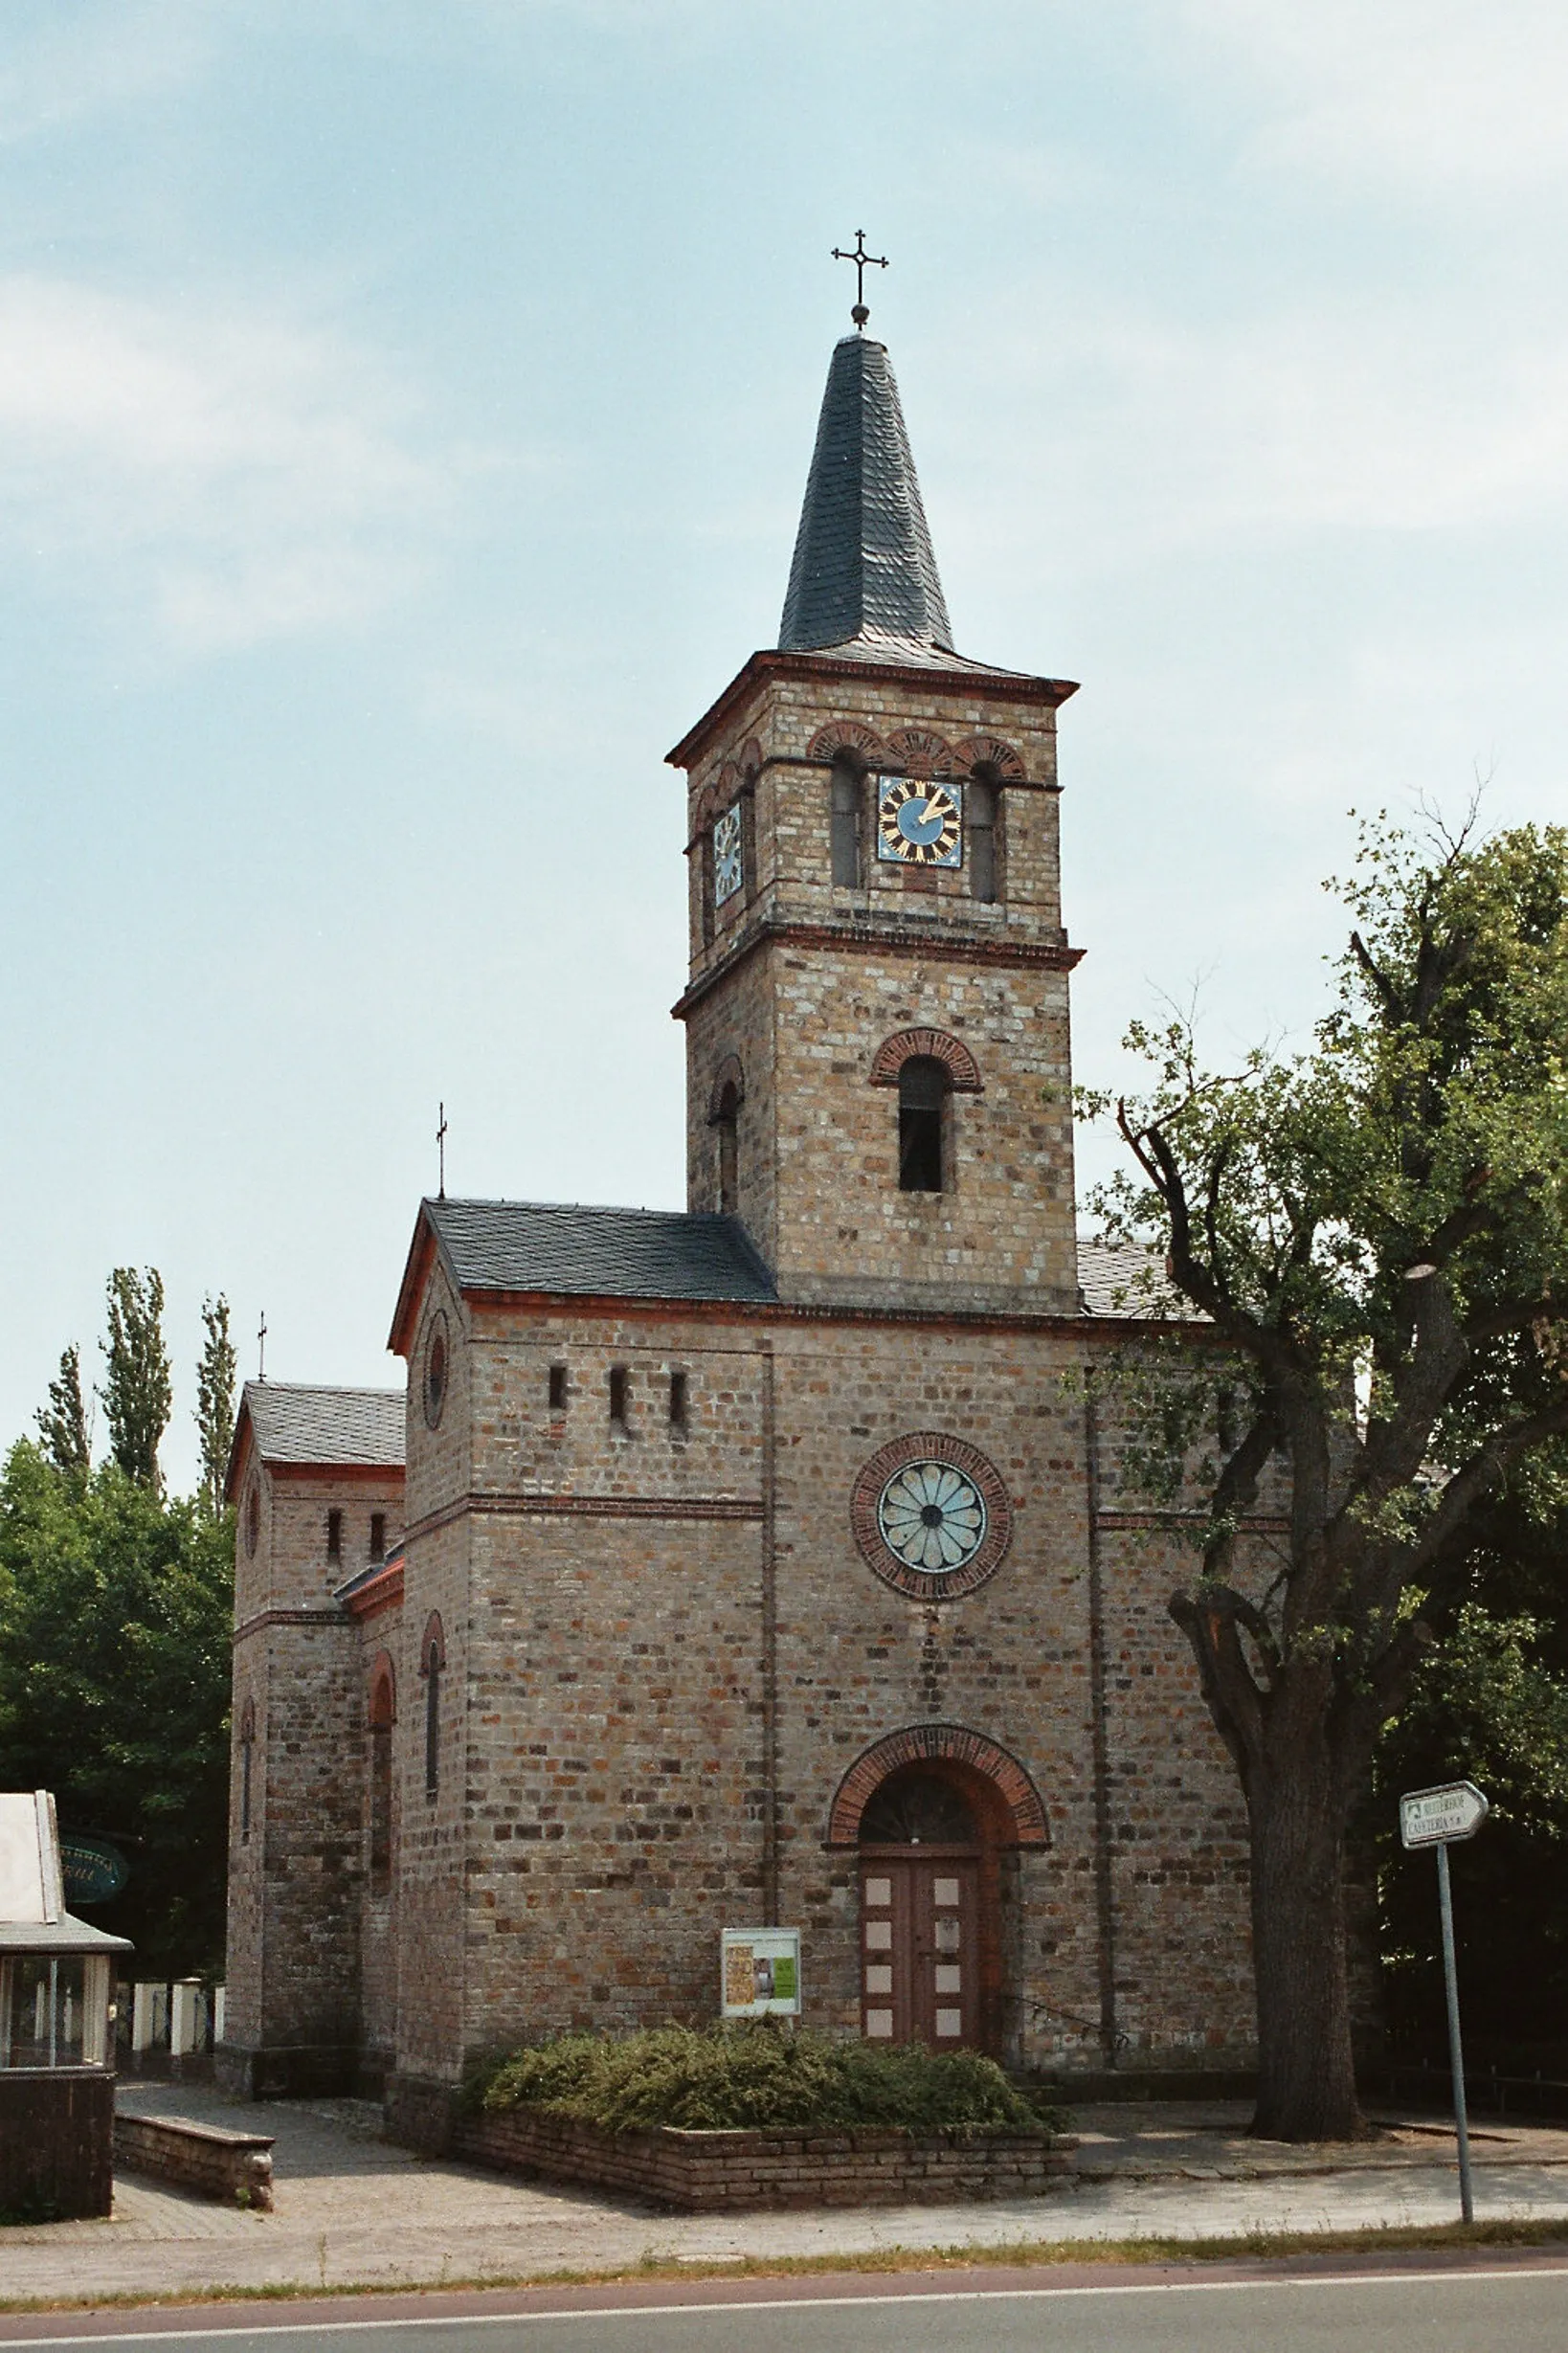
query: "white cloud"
94, 59
1444, 98
237, 475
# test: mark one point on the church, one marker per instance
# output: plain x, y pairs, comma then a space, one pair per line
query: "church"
760, 1564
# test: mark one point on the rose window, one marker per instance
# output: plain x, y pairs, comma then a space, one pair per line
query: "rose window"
932, 1517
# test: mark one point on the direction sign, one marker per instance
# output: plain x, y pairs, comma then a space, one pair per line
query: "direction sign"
1432, 1817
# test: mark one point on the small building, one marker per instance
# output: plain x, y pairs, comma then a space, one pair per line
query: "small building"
56, 2053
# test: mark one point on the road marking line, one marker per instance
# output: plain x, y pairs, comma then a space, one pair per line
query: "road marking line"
794, 2303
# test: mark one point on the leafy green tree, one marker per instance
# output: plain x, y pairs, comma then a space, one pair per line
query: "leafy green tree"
216, 1399
1388, 1211
115, 1614
62, 1423
136, 1393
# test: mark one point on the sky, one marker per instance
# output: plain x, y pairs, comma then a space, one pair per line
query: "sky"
404, 413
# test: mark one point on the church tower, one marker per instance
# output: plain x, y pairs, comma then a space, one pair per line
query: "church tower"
878, 1050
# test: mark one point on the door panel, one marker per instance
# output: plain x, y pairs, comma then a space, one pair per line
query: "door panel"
920, 1949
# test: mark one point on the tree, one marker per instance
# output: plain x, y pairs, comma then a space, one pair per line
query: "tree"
136, 1391
62, 1423
216, 1399
1385, 1213
115, 1619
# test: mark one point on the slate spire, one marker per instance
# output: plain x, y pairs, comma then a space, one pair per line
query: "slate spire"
863, 567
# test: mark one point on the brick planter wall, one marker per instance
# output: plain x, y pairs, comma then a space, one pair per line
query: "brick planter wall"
703, 2171
236, 2167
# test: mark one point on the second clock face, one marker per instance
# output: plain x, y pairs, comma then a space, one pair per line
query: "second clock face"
728, 866
919, 824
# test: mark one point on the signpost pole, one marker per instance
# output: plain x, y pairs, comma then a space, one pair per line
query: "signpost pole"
1456, 2053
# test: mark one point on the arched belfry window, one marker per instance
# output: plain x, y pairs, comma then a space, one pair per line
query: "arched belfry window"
982, 822
432, 1667
923, 1083
724, 1103
848, 793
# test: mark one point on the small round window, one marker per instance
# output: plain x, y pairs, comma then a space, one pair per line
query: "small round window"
253, 1515
436, 1370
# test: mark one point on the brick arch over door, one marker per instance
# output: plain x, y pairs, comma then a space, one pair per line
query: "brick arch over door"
962, 1070
938, 1743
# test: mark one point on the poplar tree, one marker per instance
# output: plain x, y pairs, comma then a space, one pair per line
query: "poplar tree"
137, 1394
216, 1399
62, 1423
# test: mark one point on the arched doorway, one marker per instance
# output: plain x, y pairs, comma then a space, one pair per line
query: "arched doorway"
922, 1970
938, 1815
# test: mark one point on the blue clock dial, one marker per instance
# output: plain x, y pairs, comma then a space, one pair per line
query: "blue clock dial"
919, 823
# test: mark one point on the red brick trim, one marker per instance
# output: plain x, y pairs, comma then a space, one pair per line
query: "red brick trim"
930, 1447
967, 687
962, 1070
920, 1744
589, 1507
990, 751
378, 1593
325, 1474
727, 1074
264, 1617
1010, 956
864, 744
921, 753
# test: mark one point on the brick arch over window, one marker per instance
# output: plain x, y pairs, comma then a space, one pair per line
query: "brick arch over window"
939, 1745
434, 1640
717, 795
382, 1690
990, 751
727, 1074
921, 753
843, 738
962, 1070
751, 759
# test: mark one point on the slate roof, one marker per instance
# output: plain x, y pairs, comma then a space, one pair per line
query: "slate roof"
292, 1422
1127, 1282
864, 571
611, 1253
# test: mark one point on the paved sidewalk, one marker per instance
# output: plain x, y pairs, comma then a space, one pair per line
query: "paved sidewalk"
352, 2209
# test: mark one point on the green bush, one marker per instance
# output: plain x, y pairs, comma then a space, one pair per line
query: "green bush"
757, 2075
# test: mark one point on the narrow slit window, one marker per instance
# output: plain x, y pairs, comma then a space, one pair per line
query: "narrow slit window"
922, 1101
378, 1536
982, 811
619, 1395
557, 1388
678, 1400
334, 1536
845, 843
247, 1754
433, 1721
728, 1125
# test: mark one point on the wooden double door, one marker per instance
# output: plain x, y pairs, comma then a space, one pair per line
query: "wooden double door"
920, 1958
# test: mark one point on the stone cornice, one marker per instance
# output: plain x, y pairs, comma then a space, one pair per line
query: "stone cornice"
481, 1504
881, 939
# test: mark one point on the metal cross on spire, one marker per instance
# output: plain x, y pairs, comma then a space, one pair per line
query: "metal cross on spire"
440, 1144
261, 1347
862, 261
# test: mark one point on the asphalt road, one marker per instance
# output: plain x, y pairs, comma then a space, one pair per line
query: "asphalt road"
1401, 2310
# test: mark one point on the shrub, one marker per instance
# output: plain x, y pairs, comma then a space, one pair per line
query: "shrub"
759, 2075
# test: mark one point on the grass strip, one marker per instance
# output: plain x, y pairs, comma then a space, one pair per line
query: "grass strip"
1022, 2254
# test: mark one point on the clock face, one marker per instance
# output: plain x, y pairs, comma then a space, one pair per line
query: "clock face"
919, 824
727, 870
932, 1517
